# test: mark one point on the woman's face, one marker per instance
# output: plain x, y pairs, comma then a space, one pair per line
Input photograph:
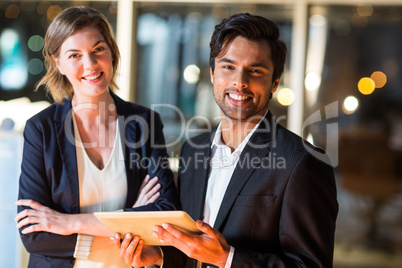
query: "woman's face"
86, 60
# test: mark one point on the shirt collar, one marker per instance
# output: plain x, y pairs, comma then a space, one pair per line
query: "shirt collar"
218, 142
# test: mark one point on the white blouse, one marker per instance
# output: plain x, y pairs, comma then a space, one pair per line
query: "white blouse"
99, 190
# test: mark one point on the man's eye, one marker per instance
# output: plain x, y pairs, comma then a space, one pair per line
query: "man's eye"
228, 67
256, 72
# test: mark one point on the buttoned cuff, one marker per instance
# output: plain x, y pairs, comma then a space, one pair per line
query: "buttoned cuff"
230, 258
83, 246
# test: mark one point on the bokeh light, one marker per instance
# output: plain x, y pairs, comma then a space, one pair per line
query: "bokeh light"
285, 96
350, 105
35, 43
366, 85
364, 10
312, 81
35, 66
12, 11
317, 20
13, 72
9, 42
379, 78
191, 74
53, 11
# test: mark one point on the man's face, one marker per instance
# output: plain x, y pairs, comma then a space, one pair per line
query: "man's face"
242, 79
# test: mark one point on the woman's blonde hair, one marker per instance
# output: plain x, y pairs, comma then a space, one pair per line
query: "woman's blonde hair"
64, 25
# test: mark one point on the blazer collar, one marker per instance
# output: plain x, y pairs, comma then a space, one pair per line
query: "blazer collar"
256, 149
201, 174
65, 137
66, 140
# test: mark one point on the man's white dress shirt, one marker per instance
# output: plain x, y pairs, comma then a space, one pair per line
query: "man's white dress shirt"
223, 164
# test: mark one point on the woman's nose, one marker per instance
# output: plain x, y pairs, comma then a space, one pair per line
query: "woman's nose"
90, 60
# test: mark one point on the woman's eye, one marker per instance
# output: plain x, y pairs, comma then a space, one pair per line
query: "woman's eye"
99, 49
73, 56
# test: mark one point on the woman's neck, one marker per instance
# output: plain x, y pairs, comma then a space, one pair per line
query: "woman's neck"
91, 110
99, 107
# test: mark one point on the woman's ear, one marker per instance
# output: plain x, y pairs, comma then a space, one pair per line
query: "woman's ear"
57, 62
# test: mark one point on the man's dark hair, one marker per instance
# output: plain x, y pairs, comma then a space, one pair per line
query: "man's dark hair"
251, 27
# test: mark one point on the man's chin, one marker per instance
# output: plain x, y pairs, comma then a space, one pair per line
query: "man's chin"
244, 116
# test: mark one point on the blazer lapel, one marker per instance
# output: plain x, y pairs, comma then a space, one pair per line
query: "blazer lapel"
63, 122
201, 175
130, 154
255, 150
128, 133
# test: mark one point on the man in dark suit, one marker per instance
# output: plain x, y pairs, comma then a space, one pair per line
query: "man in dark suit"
270, 199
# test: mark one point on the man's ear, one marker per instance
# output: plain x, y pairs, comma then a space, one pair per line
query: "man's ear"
275, 85
57, 62
211, 74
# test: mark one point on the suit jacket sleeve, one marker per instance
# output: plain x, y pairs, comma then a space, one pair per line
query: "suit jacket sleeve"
307, 221
33, 185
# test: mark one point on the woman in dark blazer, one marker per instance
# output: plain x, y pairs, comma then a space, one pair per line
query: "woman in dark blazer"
82, 57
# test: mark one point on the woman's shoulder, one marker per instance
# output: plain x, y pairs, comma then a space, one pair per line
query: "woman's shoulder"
128, 108
50, 113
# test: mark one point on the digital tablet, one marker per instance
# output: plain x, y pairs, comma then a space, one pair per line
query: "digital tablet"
141, 222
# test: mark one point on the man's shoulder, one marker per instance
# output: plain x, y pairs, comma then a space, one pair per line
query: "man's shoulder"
294, 146
129, 108
203, 137
200, 141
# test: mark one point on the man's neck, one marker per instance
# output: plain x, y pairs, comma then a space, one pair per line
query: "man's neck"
235, 131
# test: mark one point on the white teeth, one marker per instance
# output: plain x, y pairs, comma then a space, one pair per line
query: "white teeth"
237, 97
93, 77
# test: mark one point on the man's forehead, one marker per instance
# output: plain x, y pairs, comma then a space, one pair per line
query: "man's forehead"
228, 43
231, 49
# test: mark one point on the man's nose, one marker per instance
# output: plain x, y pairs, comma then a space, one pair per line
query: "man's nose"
240, 79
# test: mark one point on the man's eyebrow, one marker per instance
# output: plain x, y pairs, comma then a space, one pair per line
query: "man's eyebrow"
257, 64
77, 50
226, 60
